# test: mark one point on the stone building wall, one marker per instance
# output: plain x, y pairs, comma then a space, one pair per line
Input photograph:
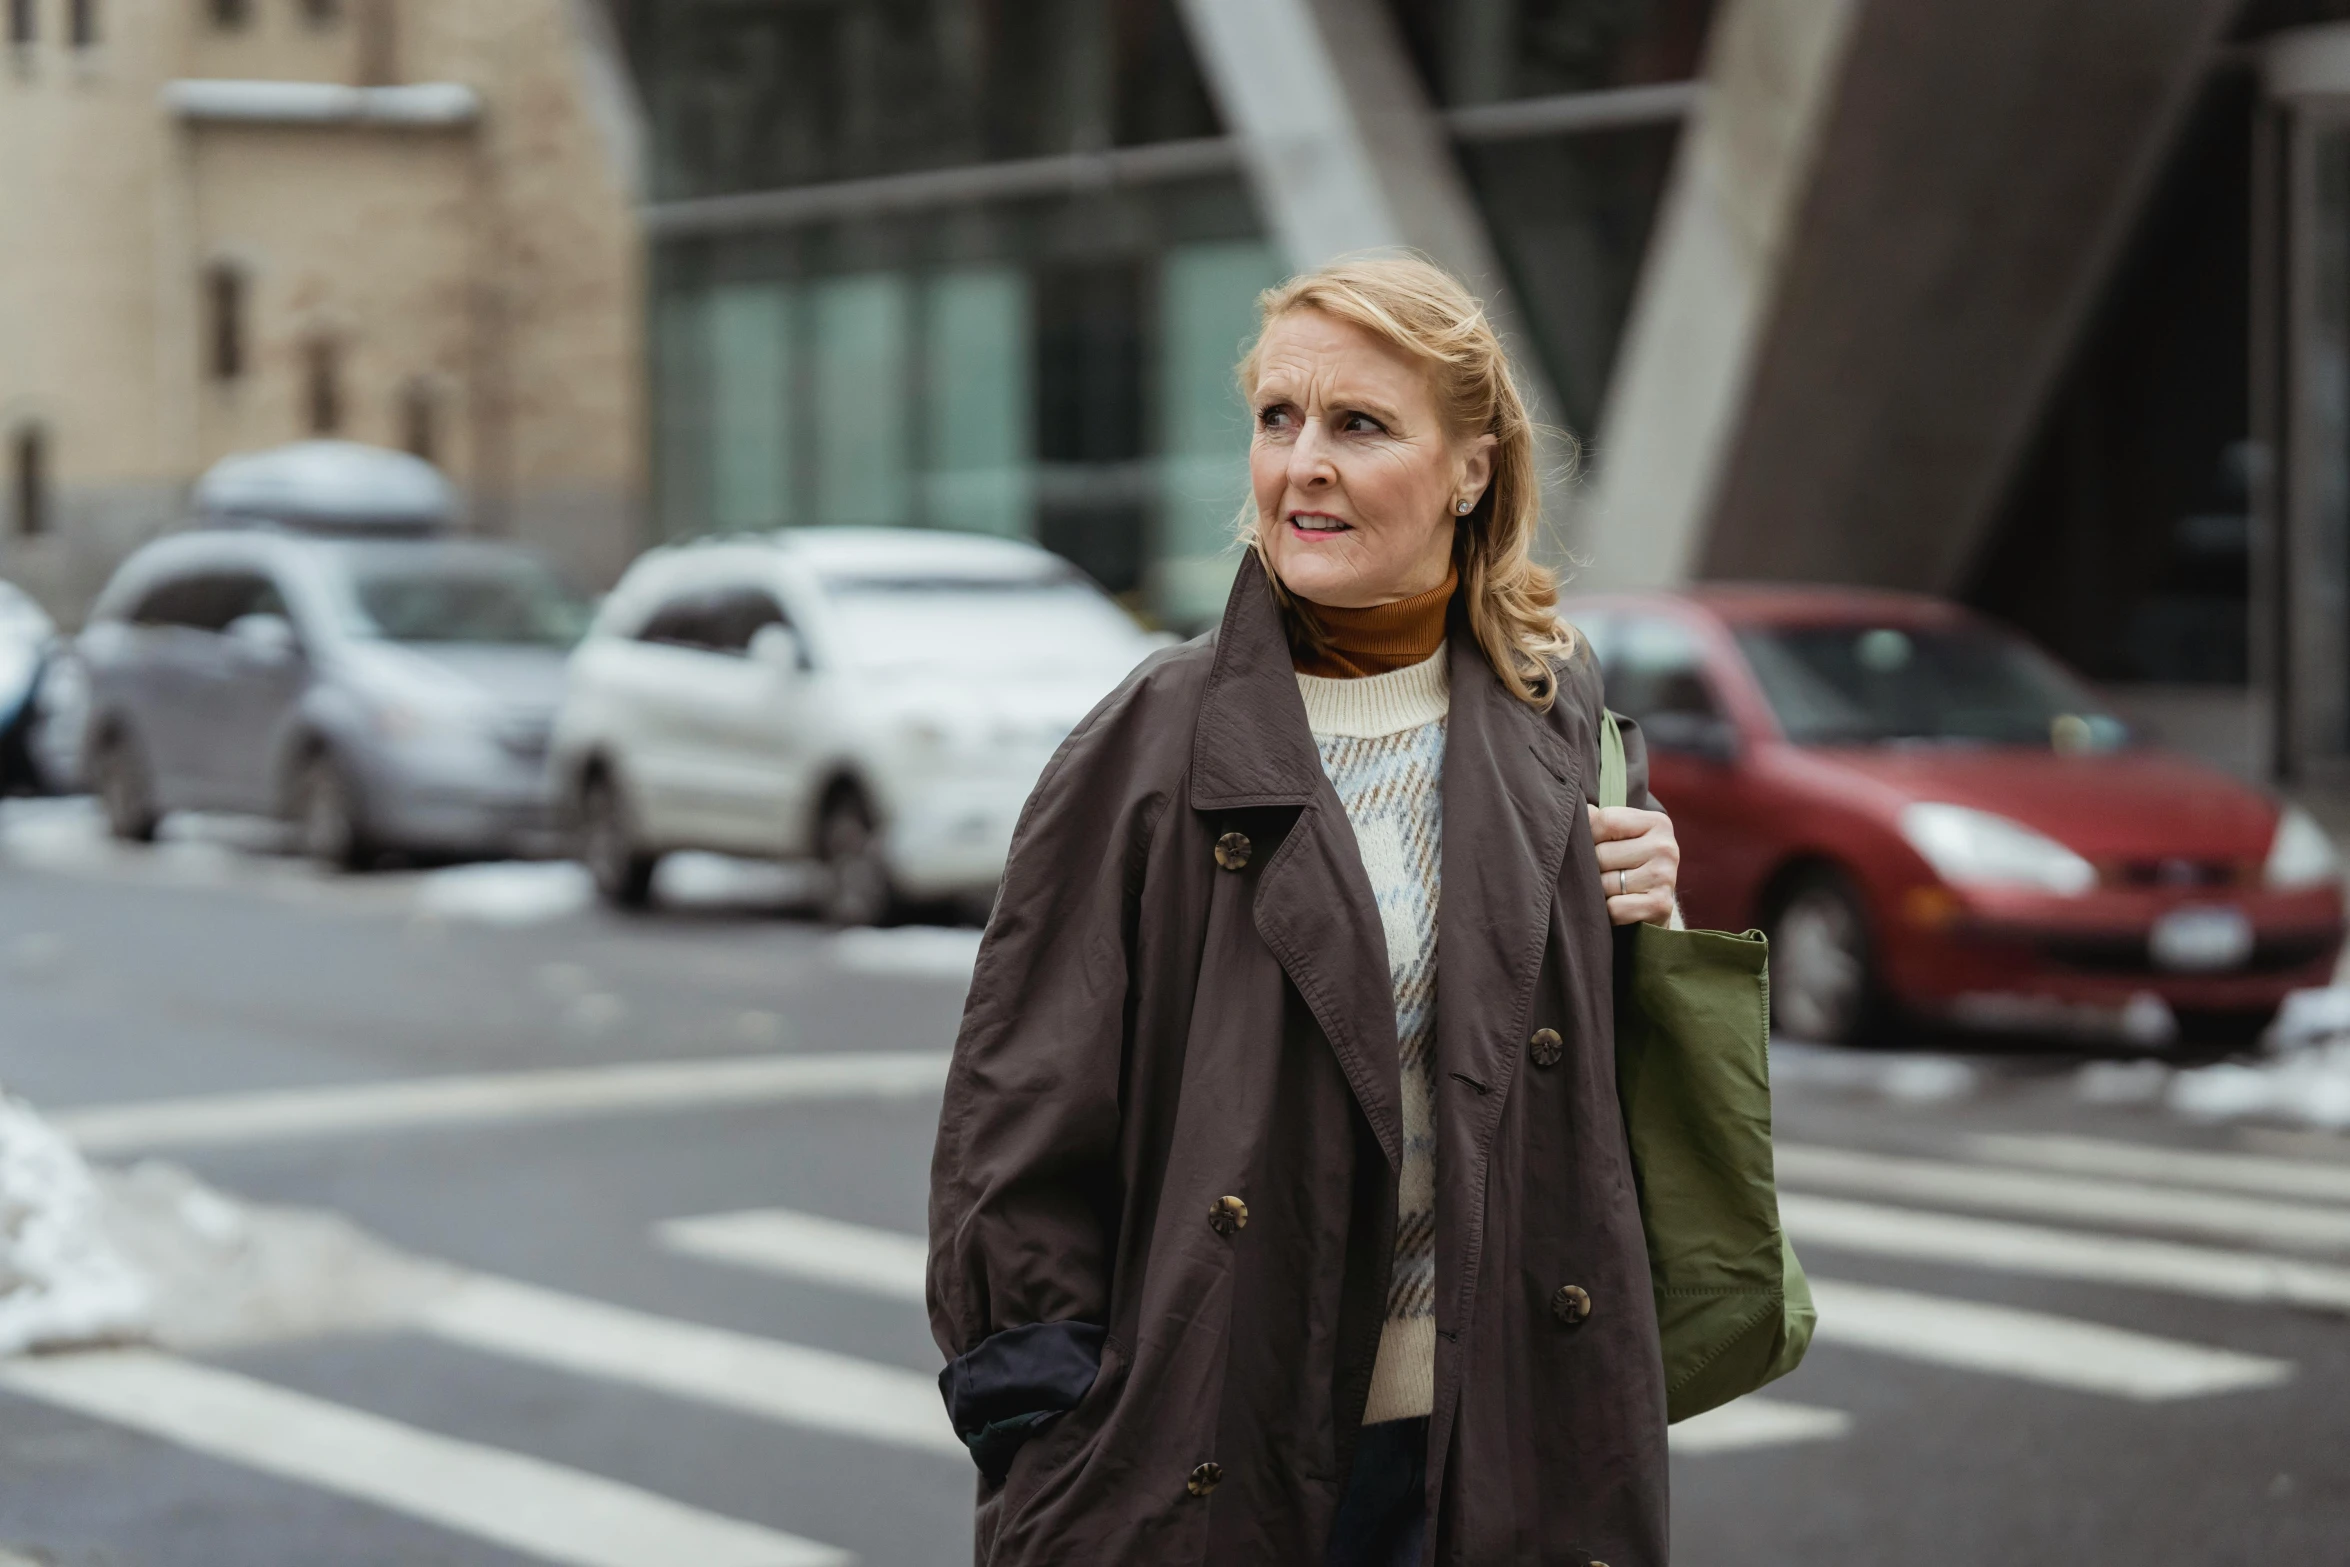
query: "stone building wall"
486, 270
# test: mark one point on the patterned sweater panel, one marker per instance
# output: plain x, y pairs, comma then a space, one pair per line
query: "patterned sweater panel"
1391, 787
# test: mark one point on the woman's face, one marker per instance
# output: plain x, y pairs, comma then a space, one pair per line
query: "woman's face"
1357, 481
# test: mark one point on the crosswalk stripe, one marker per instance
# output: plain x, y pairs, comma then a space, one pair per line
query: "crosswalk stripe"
523, 1503
2207, 1271
2301, 1178
409, 1104
789, 1383
2211, 1216
1755, 1422
2034, 1346
803, 1245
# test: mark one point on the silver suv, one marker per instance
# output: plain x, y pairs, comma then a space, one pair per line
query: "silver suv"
381, 693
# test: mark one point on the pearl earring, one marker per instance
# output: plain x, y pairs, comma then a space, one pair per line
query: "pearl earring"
1464, 507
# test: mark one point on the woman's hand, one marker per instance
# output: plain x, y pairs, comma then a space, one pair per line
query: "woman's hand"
1639, 863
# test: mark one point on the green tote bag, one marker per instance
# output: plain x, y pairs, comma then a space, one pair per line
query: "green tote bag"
1693, 1010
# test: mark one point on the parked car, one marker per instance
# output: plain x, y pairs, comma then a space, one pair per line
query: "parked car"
878, 700
1935, 821
325, 651
28, 643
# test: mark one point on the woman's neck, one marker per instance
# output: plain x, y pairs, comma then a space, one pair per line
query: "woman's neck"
1374, 641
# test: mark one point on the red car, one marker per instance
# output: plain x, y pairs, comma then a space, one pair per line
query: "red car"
1937, 823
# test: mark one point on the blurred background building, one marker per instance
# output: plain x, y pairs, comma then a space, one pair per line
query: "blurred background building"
226, 224
2004, 303
2042, 306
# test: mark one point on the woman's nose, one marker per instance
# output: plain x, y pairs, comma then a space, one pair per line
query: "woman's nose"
1309, 459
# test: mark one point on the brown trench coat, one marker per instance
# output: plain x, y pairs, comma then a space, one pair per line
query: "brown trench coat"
1153, 1028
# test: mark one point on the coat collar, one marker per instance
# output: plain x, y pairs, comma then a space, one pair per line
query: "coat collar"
1251, 746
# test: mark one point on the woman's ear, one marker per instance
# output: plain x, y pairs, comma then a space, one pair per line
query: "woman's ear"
1477, 466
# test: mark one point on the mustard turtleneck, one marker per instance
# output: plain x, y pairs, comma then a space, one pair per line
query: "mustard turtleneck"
1377, 640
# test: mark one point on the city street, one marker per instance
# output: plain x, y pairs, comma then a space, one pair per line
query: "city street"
649, 1194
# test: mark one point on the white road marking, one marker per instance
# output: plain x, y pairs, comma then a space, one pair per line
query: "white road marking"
2206, 1271
2309, 1181
2211, 1216
802, 1245
2034, 1346
523, 1503
1755, 1422
408, 1104
790, 1383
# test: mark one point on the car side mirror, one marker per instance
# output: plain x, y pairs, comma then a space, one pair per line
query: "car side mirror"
1706, 735
272, 637
778, 647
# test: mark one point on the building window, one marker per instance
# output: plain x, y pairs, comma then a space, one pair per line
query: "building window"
230, 14
420, 420
24, 21
28, 455
224, 328
322, 385
82, 23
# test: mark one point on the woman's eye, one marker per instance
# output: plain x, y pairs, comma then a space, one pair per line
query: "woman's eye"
1362, 424
1274, 417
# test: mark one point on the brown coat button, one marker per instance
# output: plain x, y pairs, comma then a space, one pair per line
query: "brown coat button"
1571, 1304
1228, 1214
1205, 1479
1232, 851
1548, 1048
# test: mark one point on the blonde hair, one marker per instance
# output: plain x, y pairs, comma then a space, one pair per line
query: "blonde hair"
1424, 311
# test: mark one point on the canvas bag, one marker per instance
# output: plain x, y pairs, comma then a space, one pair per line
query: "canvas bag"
1693, 1011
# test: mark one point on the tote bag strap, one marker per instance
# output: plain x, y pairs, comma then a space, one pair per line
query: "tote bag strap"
1612, 780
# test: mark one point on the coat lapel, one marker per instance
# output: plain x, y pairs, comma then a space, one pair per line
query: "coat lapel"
1313, 902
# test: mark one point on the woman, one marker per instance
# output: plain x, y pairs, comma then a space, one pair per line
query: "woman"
1281, 1210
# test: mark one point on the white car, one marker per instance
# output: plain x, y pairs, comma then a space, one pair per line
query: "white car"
878, 700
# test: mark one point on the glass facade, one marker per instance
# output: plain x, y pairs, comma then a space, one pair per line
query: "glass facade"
916, 286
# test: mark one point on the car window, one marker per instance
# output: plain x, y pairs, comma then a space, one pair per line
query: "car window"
1652, 666
682, 621
208, 600
736, 615
1852, 682
714, 620
504, 600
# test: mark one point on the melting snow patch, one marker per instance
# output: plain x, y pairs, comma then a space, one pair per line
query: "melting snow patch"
915, 951
227, 1272
509, 892
697, 880
62, 1279
2310, 1085
1904, 1079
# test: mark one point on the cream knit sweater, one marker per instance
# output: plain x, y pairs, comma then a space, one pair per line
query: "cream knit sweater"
1381, 738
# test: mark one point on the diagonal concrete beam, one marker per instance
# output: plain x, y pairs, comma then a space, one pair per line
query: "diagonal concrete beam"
1878, 250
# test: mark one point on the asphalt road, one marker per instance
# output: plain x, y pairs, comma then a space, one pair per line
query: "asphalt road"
2040, 1350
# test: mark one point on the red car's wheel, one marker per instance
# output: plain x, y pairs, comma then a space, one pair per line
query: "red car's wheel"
1823, 979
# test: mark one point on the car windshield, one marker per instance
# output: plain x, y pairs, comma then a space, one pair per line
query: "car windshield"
510, 600
1853, 683
1028, 626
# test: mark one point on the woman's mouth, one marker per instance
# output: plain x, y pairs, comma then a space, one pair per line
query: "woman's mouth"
1317, 524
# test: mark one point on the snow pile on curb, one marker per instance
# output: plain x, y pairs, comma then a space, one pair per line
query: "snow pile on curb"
63, 1280
228, 1272
93, 1255
2304, 1076
505, 892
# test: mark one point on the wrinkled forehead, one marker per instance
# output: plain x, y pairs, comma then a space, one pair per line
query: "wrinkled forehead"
1311, 355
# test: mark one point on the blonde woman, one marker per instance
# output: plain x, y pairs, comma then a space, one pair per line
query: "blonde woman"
1281, 1210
